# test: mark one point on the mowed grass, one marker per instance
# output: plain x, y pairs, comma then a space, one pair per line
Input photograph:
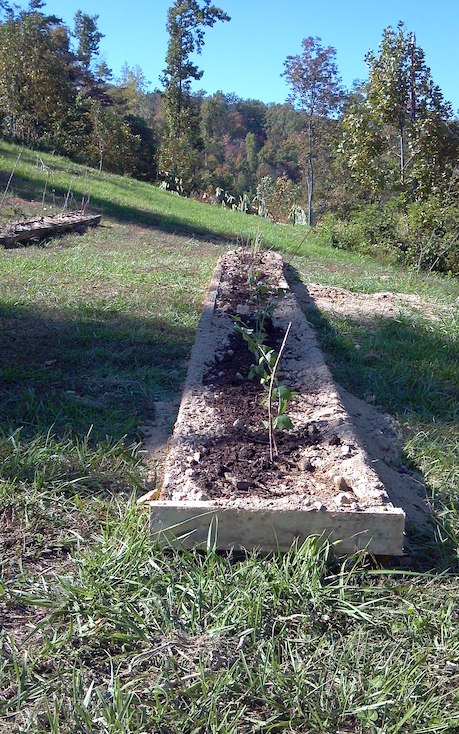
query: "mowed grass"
96, 334
103, 632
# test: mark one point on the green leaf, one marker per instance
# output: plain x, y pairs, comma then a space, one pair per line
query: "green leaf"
282, 422
282, 392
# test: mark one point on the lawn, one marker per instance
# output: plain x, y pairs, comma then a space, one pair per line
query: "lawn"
101, 631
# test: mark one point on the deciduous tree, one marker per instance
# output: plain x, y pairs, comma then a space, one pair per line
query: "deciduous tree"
36, 73
317, 91
398, 132
130, 90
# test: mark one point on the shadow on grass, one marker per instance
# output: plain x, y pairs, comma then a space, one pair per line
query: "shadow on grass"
95, 369
404, 369
402, 366
74, 387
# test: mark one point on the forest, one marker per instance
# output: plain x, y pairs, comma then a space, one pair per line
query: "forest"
372, 169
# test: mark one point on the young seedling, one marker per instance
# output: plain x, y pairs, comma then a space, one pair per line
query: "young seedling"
267, 361
282, 396
266, 299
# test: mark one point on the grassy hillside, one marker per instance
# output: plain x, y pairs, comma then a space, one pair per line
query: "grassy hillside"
101, 631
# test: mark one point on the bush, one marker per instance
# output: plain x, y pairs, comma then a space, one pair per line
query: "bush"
432, 236
370, 230
423, 235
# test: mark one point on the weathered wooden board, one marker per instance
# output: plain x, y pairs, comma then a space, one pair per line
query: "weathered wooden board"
198, 523
40, 228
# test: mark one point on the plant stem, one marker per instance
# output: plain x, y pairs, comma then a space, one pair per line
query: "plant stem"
272, 441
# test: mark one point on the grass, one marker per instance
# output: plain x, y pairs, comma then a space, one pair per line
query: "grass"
101, 631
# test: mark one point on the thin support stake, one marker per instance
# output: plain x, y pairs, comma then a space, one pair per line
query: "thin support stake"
10, 179
272, 441
44, 193
68, 194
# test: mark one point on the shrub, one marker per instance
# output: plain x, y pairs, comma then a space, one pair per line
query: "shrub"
432, 236
423, 235
370, 230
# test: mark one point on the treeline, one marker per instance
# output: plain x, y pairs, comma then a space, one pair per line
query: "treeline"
374, 168
54, 95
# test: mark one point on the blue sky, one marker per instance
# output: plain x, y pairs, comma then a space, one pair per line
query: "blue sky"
246, 56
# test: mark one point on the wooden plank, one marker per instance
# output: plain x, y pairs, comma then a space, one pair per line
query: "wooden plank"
23, 231
192, 524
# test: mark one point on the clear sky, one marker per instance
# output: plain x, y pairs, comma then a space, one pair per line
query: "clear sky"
246, 56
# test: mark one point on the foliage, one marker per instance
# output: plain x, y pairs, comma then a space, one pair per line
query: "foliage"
88, 37
50, 97
422, 235
233, 133
432, 234
213, 126
186, 21
316, 88
371, 229
362, 146
130, 90
399, 133
277, 199
36, 71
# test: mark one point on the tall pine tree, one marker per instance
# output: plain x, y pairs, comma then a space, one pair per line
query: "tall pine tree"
186, 21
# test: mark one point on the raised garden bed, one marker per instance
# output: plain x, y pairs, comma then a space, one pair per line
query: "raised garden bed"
45, 226
221, 483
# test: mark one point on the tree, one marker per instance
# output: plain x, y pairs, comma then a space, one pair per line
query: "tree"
129, 90
213, 124
282, 149
186, 21
88, 37
36, 73
398, 131
362, 145
317, 91
252, 149
253, 118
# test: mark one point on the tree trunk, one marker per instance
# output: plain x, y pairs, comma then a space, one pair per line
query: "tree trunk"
402, 155
310, 172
